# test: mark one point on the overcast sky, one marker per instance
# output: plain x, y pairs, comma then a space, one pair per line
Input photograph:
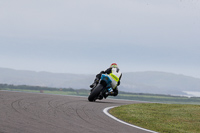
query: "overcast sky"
86, 36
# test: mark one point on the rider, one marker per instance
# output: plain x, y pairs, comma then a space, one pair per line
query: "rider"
113, 72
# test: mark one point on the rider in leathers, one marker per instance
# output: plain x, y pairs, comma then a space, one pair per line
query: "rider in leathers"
113, 70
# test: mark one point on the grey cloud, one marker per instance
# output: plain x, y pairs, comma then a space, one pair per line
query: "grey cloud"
145, 33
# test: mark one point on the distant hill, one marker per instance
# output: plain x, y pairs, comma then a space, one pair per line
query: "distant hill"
136, 82
24, 77
160, 83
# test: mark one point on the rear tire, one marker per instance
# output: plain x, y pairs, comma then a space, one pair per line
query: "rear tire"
95, 93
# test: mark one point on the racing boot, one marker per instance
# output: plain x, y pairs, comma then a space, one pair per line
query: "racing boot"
96, 81
93, 85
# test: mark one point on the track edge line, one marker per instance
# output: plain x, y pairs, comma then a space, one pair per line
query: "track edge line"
105, 111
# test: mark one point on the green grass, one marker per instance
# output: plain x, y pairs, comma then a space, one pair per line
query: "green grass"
77, 93
163, 118
46, 91
160, 98
122, 95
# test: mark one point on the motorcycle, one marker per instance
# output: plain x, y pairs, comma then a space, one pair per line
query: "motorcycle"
99, 91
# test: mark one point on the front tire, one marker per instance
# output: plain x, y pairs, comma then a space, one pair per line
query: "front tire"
95, 93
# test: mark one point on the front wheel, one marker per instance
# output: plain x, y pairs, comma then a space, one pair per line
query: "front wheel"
95, 93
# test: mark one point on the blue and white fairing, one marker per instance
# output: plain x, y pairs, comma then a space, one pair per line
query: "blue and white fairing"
107, 79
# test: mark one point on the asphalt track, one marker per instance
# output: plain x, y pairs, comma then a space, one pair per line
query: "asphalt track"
41, 113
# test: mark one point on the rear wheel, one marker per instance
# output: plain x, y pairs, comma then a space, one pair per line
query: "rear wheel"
95, 93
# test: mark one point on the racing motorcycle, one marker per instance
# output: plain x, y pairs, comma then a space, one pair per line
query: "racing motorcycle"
99, 91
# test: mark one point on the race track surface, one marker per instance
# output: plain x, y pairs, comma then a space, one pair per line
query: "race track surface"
42, 113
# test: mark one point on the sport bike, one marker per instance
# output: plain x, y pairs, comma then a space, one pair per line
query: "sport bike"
99, 91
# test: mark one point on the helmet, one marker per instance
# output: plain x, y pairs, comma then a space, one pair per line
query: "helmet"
113, 65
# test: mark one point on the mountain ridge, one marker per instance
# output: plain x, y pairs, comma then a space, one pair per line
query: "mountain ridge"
155, 82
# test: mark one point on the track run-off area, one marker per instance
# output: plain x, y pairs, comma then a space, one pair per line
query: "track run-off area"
44, 113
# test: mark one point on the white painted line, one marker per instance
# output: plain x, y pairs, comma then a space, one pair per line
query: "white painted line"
111, 116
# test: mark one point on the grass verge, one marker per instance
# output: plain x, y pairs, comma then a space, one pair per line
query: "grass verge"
163, 118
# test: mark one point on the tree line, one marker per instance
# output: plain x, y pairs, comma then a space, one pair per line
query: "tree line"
26, 87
